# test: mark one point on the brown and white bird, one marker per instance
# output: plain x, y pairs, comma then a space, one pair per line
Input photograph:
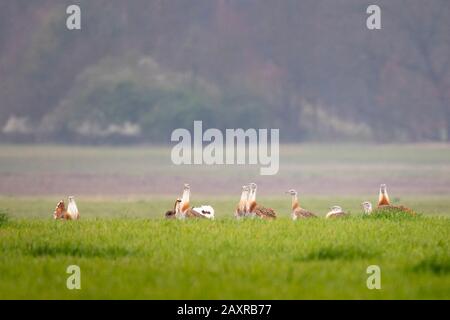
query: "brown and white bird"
71, 213
72, 210
255, 210
297, 211
60, 210
383, 197
385, 203
186, 211
171, 214
241, 209
335, 212
367, 207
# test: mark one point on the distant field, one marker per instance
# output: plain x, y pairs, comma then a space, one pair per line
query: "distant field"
344, 170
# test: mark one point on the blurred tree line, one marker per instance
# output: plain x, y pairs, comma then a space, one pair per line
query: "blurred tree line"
139, 69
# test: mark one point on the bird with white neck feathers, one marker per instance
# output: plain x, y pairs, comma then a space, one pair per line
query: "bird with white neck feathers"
254, 209
335, 212
71, 213
384, 203
186, 211
297, 211
72, 209
367, 207
241, 209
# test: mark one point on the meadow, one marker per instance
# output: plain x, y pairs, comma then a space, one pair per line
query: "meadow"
125, 248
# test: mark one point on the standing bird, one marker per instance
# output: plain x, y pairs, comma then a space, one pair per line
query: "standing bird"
335, 212
367, 207
72, 210
60, 210
383, 198
171, 214
241, 209
256, 210
186, 211
385, 203
297, 211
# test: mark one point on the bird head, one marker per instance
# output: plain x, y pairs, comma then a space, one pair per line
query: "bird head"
367, 206
292, 192
336, 209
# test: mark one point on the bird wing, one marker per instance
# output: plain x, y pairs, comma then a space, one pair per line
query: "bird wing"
191, 213
399, 208
336, 214
265, 213
170, 214
205, 211
303, 213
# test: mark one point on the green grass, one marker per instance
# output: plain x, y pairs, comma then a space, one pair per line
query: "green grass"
126, 250
136, 254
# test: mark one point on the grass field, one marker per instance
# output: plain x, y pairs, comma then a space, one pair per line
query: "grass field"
126, 250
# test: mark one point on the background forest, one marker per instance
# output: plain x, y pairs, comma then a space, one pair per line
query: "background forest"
138, 69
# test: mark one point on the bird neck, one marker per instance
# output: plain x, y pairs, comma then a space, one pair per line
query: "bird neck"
243, 201
252, 196
175, 205
249, 200
73, 207
383, 199
295, 203
252, 206
185, 200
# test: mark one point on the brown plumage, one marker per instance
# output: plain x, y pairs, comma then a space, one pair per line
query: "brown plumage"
297, 211
395, 208
257, 210
60, 211
303, 213
385, 204
190, 213
263, 212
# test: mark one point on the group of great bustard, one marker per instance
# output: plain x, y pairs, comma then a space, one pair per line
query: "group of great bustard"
247, 207
182, 208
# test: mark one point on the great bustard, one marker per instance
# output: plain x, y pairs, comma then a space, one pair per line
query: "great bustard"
171, 214
71, 213
335, 212
254, 209
367, 207
384, 203
297, 211
241, 209
60, 210
204, 211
